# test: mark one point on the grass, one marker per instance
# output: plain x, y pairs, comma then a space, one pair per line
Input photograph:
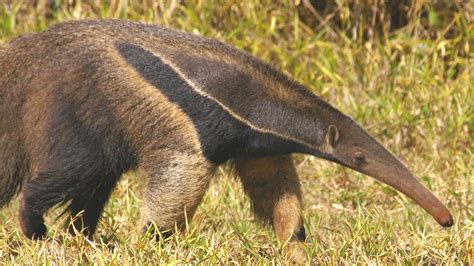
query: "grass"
414, 94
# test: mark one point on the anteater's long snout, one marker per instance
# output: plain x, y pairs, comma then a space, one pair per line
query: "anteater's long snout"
396, 175
409, 185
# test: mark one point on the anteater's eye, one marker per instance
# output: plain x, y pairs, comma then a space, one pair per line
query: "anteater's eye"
359, 158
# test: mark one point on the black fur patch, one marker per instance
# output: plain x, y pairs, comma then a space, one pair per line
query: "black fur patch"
222, 136
300, 234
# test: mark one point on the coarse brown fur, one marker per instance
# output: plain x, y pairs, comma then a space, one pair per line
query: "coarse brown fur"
86, 101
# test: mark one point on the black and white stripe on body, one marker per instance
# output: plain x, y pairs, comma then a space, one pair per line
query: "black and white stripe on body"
223, 133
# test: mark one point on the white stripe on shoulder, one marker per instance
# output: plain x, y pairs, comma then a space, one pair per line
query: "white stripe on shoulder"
201, 92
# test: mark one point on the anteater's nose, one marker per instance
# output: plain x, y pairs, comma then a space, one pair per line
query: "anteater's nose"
446, 221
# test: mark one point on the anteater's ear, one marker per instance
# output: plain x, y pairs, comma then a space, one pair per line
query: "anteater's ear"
332, 136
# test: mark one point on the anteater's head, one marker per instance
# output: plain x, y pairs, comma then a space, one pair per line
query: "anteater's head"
348, 144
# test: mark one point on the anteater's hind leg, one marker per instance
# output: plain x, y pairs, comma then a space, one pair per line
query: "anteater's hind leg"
176, 184
87, 209
40, 194
33, 204
88, 193
64, 176
274, 189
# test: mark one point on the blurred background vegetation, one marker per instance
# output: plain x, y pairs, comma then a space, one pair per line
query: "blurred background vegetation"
403, 69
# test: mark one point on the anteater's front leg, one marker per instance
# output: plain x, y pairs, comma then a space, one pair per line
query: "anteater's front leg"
177, 181
274, 189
